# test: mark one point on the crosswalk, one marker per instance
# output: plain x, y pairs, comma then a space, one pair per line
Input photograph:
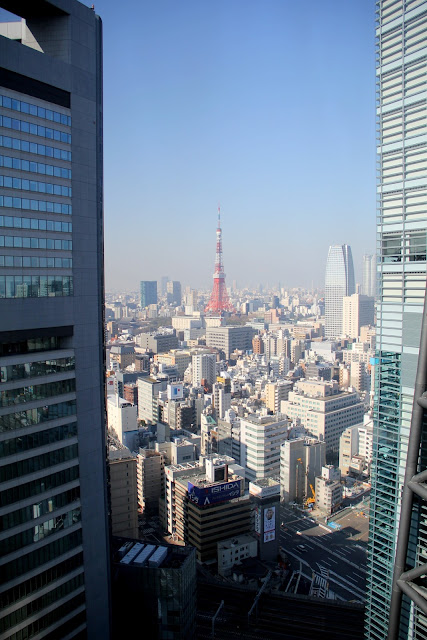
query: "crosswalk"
324, 572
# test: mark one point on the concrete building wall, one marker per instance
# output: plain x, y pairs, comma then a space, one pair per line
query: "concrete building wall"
123, 495
150, 479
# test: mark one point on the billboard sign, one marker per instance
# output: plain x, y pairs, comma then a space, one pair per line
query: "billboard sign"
213, 494
269, 536
269, 519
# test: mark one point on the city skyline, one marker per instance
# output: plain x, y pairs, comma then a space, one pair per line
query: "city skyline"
237, 113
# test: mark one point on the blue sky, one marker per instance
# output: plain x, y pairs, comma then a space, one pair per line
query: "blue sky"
266, 107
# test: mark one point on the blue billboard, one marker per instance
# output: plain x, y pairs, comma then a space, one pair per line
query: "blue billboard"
212, 494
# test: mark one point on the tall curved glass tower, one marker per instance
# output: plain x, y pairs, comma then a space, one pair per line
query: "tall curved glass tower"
339, 282
401, 27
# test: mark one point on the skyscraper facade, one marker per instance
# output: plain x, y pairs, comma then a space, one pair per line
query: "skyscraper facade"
402, 225
174, 294
369, 276
54, 543
339, 282
148, 291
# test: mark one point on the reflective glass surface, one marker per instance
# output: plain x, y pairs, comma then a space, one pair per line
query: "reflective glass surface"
34, 110
9, 142
34, 129
35, 286
34, 167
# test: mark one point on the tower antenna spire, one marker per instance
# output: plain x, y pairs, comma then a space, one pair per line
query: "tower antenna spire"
219, 302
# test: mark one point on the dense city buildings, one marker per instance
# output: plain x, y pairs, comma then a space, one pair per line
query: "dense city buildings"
339, 282
54, 564
402, 224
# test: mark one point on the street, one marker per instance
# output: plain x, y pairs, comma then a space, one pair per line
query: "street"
336, 555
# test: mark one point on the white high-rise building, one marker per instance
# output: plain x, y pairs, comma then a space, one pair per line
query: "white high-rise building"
358, 311
339, 282
369, 276
260, 440
204, 368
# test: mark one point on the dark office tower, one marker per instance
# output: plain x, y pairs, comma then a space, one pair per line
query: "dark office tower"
174, 295
398, 523
54, 551
163, 285
148, 290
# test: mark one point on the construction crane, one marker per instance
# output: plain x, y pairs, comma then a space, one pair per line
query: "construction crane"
313, 499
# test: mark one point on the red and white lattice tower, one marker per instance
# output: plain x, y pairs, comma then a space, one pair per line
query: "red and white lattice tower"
219, 300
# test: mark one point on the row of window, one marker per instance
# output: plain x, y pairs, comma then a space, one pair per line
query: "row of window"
35, 286
30, 417
41, 580
396, 248
34, 185
34, 110
35, 167
34, 440
36, 262
31, 345
36, 487
38, 557
39, 531
38, 463
38, 625
35, 205
18, 242
35, 224
33, 147
36, 606
36, 392
34, 369
35, 129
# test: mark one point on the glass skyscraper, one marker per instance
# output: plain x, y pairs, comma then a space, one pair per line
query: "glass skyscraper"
148, 292
54, 542
339, 282
401, 50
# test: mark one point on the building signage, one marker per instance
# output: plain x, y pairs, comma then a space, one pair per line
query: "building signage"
264, 492
212, 494
257, 514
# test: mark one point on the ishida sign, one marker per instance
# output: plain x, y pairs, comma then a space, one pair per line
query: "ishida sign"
212, 494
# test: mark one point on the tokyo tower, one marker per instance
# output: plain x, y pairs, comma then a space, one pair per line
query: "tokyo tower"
219, 300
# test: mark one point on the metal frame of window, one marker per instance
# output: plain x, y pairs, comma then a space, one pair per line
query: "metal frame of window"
414, 485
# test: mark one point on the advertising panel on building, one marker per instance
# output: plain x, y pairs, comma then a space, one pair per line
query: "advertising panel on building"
212, 494
269, 524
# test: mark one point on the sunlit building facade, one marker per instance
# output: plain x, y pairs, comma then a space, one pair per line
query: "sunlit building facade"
339, 282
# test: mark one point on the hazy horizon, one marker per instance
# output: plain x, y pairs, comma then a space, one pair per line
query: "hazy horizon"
266, 108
